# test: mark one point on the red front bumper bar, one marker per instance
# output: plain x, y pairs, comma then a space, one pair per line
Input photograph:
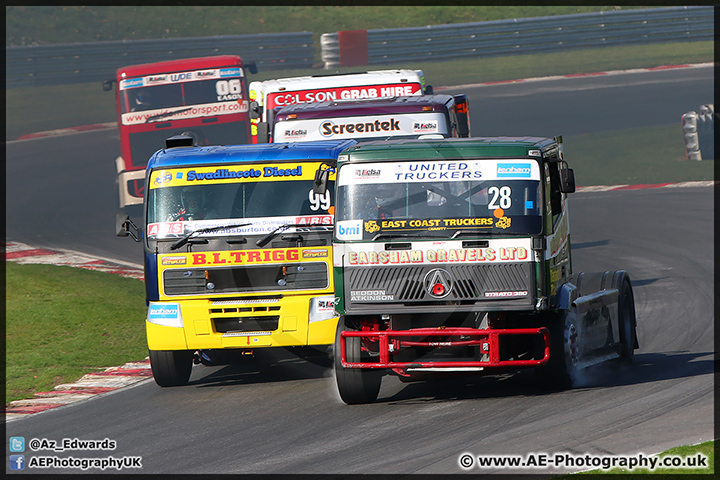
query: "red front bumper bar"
390, 341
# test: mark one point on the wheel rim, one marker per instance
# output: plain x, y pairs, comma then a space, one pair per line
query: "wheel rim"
572, 351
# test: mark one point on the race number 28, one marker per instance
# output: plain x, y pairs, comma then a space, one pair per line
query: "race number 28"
501, 194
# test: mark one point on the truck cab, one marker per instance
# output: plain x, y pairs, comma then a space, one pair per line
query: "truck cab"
452, 256
269, 95
440, 116
238, 251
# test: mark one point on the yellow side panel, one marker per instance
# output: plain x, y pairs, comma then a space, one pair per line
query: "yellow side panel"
322, 332
165, 338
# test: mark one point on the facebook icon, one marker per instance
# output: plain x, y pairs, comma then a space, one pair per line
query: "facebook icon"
17, 462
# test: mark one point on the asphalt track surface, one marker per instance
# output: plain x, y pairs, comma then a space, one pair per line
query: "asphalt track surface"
273, 413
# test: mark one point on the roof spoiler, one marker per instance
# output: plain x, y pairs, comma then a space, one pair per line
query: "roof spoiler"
179, 141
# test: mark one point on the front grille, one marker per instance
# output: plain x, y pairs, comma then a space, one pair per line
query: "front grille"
246, 324
195, 281
470, 282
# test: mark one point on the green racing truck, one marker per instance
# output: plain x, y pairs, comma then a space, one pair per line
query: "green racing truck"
453, 257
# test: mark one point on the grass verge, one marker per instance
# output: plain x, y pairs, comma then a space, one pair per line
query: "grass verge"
690, 454
63, 322
643, 155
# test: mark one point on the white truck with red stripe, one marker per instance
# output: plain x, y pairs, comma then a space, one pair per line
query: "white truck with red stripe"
268, 95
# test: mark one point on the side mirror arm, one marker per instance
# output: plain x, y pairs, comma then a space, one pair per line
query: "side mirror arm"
124, 227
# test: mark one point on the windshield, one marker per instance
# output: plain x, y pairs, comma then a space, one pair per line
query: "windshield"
365, 127
265, 196
444, 198
160, 97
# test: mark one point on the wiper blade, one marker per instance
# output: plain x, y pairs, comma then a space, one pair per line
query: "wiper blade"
166, 114
406, 235
266, 239
461, 233
186, 238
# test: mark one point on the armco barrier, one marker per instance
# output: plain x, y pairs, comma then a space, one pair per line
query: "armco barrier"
519, 36
88, 62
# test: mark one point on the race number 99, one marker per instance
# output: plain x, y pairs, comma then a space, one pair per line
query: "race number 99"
318, 202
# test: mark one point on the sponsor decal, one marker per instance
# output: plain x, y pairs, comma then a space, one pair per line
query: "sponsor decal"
438, 171
173, 260
203, 74
163, 311
243, 257
329, 128
365, 173
196, 111
224, 173
282, 172
221, 174
523, 293
349, 230
162, 178
426, 127
444, 170
131, 82
155, 79
294, 134
238, 173
440, 255
281, 99
314, 253
370, 296
514, 170
232, 96
182, 77
321, 308
314, 220
231, 72
155, 229
373, 226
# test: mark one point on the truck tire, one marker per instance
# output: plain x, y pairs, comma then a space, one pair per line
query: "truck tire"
355, 385
171, 368
627, 322
561, 371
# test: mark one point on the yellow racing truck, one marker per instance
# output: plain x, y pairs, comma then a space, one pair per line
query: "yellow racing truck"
238, 252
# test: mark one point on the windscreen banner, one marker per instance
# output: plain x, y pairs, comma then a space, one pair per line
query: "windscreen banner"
367, 126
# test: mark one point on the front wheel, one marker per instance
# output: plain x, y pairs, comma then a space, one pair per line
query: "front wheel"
562, 369
171, 368
355, 385
627, 323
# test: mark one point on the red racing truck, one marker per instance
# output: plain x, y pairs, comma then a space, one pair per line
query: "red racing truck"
204, 98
